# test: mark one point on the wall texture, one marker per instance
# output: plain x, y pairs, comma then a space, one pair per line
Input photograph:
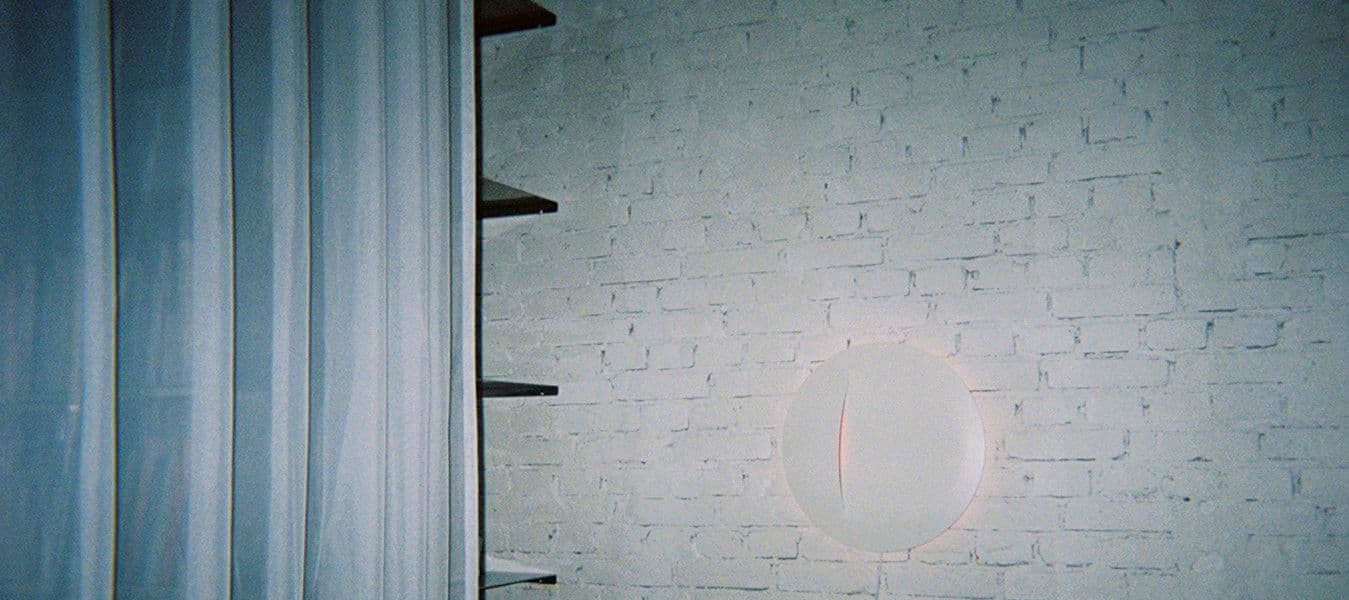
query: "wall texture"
1126, 224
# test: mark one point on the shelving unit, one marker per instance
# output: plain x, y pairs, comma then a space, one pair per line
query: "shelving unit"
496, 200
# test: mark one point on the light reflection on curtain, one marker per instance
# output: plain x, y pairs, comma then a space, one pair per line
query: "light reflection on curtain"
281, 384
55, 302
270, 120
175, 309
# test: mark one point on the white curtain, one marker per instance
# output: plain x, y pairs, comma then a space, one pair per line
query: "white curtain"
226, 351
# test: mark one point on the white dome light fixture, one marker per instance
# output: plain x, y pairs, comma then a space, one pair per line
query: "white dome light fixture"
883, 447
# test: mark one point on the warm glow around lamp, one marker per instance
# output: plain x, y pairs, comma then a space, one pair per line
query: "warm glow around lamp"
883, 447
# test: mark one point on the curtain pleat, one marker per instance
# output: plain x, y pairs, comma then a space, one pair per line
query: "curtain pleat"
413, 452
344, 543
378, 476
465, 520
97, 303
225, 346
269, 70
175, 298
56, 301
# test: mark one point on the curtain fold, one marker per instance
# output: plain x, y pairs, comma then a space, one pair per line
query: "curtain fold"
94, 570
349, 374
174, 297
56, 301
465, 519
225, 346
270, 150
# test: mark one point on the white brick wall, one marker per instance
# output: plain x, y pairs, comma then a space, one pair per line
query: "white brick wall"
1124, 223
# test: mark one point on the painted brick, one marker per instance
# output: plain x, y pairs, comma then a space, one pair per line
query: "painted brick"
722, 573
1038, 582
1108, 337
670, 355
779, 317
996, 373
1246, 332
983, 306
1189, 408
995, 273
986, 341
1329, 445
675, 325
1034, 236
1135, 551
746, 260
772, 542
640, 385
1064, 443
989, 208
1030, 408
1258, 484
967, 243
1104, 372
1005, 549
1323, 485
938, 580
1107, 160
992, 174
625, 357
634, 299
872, 284
778, 227
766, 349
828, 577
630, 270
1256, 366
833, 222
1255, 293
755, 381
1052, 339
835, 253
876, 315
1265, 257
1097, 515
940, 279
1107, 302
1144, 265
1176, 334
586, 244
952, 547
1194, 446
1316, 327
1039, 479
1022, 514
830, 284
1057, 271
1142, 283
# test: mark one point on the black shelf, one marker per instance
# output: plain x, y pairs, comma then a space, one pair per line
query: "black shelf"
493, 17
497, 199
496, 579
488, 388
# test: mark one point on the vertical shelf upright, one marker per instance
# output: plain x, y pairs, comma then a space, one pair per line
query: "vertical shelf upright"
496, 200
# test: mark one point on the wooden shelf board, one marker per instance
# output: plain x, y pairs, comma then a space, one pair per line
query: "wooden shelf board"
497, 199
499, 572
488, 388
493, 17
496, 579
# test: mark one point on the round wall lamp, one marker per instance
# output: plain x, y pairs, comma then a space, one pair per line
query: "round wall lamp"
883, 447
